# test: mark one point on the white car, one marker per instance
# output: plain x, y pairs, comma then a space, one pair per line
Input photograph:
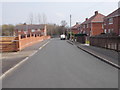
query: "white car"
62, 37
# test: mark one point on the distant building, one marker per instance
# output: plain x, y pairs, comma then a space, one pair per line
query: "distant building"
112, 22
30, 29
93, 26
75, 28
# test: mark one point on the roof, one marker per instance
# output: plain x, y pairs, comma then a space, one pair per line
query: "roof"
95, 18
26, 27
75, 26
114, 13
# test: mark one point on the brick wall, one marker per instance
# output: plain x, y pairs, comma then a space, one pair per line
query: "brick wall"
8, 44
97, 29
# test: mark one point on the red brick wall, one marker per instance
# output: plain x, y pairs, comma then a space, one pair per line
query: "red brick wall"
9, 44
115, 26
96, 29
75, 31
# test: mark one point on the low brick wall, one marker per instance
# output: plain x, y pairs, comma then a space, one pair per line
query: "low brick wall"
106, 42
9, 44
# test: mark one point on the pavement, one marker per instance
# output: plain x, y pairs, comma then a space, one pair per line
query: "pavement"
109, 56
61, 65
10, 59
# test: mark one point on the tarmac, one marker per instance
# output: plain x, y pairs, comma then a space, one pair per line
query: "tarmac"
10, 59
111, 57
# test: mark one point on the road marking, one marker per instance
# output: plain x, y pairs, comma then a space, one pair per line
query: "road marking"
20, 63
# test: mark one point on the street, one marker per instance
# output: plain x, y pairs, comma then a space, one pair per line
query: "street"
62, 65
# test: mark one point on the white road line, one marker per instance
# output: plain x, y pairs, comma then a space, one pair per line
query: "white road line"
20, 63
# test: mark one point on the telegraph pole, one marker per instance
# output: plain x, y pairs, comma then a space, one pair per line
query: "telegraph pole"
70, 29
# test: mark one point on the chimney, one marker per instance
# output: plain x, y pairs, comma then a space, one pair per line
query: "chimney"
96, 13
76, 23
86, 19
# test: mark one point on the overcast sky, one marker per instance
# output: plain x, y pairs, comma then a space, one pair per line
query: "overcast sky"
19, 12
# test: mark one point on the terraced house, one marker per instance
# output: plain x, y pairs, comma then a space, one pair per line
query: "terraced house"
94, 25
75, 29
112, 22
34, 29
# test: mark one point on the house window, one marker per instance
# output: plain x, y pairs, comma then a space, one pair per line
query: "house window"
109, 30
83, 32
112, 30
33, 30
84, 26
87, 25
110, 20
104, 24
105, 31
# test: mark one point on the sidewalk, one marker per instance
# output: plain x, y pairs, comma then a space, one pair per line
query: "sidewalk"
10, 59
106, 55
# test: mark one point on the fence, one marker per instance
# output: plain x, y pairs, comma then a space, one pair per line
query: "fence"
81, 38
111, 42
10, 43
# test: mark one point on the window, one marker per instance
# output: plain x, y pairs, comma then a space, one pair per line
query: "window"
33, 30
112, 30
108, 30
87, 25
105, 31
84, 26
110, 20
104, 24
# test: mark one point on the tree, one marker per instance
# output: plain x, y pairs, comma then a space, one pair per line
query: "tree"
39, 18
31, 18
63, 23
7, 30
44, 17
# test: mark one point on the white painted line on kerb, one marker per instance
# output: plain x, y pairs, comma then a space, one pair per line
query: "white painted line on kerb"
20, 63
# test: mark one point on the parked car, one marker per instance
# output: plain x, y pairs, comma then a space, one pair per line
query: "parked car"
62, 37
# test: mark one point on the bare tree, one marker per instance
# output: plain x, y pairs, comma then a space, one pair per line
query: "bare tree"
39, 18
63, 23
31, 18
44, 19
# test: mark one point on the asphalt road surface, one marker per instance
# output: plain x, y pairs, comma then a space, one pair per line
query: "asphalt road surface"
62, 65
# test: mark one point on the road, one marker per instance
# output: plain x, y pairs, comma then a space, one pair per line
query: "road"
62, 65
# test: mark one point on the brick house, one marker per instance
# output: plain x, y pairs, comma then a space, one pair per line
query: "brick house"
93, 26
112, 22
30, 29
75, 28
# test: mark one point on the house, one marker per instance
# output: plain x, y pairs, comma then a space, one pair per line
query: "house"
93, 26
112, 22
75, 28
38, 29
